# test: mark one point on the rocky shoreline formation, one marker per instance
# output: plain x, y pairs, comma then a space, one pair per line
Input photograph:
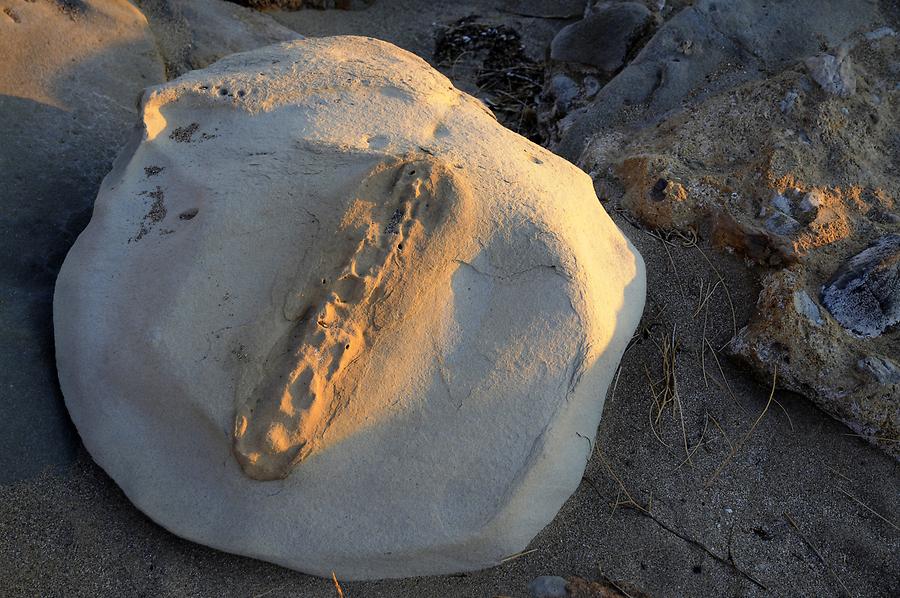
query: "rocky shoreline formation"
733, 124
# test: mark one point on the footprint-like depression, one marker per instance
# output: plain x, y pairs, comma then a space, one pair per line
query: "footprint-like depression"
390, 243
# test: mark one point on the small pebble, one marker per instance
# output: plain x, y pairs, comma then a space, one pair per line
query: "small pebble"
548, 586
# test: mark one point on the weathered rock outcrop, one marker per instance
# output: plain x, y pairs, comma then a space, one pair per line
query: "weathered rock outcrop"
192, 34
705, 49
330, 314
796, 178
70, 75
864, 293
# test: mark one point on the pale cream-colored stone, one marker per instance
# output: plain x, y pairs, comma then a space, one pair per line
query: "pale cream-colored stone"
330, 314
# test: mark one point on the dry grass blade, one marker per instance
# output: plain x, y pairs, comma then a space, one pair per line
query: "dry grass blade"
722, 430
267, 592
727, 293
513, 557
706, 298
665, 245
700, 442
740, 444
786, 414
724, 379
631, 502
667, 395
818, 554
870, 509
612, 394
839, 474
628, 503
703, 343
878, 438
337, 586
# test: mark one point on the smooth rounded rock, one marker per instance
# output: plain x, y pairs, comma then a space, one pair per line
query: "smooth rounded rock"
604, 38
330, 314
548, 586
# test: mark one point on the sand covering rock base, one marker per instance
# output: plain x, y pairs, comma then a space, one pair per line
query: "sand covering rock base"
330, 314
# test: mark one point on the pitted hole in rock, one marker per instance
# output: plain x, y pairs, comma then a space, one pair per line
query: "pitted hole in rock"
188, 214
658, 193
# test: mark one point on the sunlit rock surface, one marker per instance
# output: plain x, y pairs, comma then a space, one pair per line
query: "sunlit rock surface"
330, 314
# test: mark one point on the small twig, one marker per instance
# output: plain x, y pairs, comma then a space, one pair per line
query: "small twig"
513, 557
727, 293
835, 471
870, 509
722, 430
269, 591
724, 379
746, 436
528, 15
818, 554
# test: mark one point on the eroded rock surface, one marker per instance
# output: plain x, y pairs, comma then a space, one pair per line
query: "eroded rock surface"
798, 181
864, 293
707, 48
330, 314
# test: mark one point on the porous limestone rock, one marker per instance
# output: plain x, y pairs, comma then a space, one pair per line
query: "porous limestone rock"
330, 314
807, 196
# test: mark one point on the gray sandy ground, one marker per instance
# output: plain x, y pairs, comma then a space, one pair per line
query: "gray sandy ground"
802, 508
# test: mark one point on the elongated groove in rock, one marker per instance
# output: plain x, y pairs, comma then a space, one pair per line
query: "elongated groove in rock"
290, 407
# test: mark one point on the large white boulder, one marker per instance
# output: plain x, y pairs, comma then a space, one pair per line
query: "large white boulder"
330, 314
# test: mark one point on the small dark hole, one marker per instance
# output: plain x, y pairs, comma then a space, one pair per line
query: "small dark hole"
241, 93
324, 281
188, 214
400, 246
223, 91
696, 569
347, 346
412, 172
658, 191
